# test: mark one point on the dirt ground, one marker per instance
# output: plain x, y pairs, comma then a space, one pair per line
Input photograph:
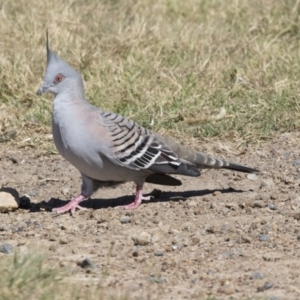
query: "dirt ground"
226, 234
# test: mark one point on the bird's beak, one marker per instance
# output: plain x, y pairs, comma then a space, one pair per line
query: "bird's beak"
43, 89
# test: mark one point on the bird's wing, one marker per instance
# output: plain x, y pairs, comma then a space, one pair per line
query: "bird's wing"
130, 145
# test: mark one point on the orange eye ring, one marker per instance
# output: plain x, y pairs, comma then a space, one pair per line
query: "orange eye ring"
59, 78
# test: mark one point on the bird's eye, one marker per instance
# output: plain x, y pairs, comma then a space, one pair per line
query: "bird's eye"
59, 78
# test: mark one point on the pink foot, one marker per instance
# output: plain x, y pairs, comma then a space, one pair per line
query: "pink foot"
137, 201
72, 205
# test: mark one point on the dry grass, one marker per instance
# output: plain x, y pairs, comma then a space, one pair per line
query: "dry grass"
31, 277
226, 69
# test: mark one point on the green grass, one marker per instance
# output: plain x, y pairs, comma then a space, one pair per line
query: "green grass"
172, 63
30, 276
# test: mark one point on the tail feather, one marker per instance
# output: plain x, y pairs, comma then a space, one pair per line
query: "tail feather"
200, 160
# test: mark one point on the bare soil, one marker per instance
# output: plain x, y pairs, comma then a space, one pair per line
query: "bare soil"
225, 234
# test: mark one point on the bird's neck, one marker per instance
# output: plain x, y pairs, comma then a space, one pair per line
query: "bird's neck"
70, 97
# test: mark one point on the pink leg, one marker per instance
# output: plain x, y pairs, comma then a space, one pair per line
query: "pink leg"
72, 205
138, 199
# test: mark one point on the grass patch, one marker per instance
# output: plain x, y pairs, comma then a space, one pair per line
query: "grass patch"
204, 69
31, 277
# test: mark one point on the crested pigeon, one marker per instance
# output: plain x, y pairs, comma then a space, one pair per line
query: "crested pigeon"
108, 148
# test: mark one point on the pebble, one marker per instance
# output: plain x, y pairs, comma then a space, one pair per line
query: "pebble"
32, 193
195, 240
266, 286
227, 254
6, 248
53, 247
22, 242
274, 196
296, 162
65, 190
158, 252
87, 264
176, 246
272, 206
25, 202
252, 177
63, 241
192, 203
258, 204
125, 219
227, 290
9, 200
256, 275
263, 237
142, 239
4, 228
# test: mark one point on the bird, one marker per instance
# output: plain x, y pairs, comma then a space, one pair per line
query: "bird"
110, 149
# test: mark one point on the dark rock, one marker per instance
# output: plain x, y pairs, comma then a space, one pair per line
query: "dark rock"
6, 248
25, 202
87, 264
266, 286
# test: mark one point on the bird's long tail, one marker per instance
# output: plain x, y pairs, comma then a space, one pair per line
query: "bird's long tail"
200, 160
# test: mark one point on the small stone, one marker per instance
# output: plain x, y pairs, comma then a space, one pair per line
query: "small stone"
158, 252
232, 206
263, 237
156, 279
65, 190
227, 290
272, 206
258, 204
9, 200
6, 248
266, 286
4, 228
176, 246
25, 202
32, 193
142, 240
256, 275
125, 219
195, 240
22, 242
274, 196
227, 254
53, 247
272, 257
63, 241
192, 203
87, 264
244, 239
252, 177
296, 162
62, 264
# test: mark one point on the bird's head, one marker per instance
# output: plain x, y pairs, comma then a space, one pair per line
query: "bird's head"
59, 75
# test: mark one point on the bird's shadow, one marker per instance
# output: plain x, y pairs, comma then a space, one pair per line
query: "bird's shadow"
158, 196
